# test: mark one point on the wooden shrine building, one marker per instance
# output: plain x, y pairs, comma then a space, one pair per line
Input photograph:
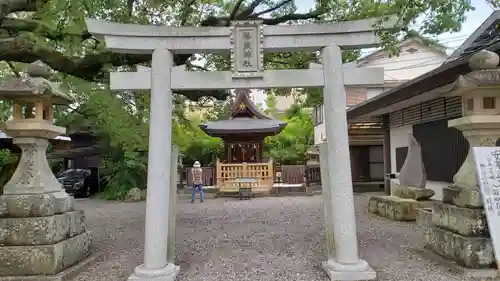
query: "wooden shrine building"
243, 134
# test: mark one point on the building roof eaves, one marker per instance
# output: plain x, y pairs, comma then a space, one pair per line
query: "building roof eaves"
475, 35
441, 76
445, 74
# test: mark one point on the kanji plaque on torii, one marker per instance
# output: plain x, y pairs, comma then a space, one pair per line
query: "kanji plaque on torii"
247, 57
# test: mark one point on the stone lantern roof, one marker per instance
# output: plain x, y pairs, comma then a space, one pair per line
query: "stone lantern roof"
37, 85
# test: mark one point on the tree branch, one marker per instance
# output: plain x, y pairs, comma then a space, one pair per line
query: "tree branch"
94, 66
290, 17
16, 25
272, 9
236, 7
187, 11
89, 67
248, 11
130, 7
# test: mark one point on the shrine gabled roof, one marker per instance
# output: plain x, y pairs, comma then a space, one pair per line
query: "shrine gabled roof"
242, 125
243, 102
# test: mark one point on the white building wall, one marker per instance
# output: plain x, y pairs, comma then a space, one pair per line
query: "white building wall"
409, 64
284, 102
414, 60
399, 138
319, 133
370, 93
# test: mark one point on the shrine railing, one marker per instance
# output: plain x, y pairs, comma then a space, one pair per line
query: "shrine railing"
226, 173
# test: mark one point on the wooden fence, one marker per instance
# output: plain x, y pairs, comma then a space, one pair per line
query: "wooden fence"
313, 175
208, 176
290, 174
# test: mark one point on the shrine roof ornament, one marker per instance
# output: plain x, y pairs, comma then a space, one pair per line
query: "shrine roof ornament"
243, 98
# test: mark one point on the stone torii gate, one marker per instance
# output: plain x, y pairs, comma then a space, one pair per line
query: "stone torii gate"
246, 41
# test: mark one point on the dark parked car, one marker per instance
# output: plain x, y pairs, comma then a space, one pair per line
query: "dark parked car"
78, 182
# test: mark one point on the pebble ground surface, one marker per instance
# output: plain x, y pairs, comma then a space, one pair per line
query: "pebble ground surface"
265, 239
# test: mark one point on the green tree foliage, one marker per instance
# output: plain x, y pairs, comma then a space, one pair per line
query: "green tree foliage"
291, 145
122, 133
219, 110
270, 103
195, 144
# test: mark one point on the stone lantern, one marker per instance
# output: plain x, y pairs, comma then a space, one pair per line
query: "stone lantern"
480, 124
40, 232
31, 128
458, 230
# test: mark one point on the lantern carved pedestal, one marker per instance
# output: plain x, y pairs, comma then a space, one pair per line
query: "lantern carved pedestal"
41, 234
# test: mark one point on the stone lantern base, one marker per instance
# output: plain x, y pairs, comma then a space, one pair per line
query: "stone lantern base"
403, 204
41, 235
459, 232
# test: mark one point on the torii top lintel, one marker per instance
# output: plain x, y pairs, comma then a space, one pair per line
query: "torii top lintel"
144, 39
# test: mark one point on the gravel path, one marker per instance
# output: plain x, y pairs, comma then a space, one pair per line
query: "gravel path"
262, 239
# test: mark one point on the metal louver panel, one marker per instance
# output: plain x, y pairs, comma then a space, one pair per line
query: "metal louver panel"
386, 123
436, 109
433, 110
412, 115
396, 118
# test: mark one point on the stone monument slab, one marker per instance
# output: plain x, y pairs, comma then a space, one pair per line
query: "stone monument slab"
424, 217
393, 208
413, 170
410, 192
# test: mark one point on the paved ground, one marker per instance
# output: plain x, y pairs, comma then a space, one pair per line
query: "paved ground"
261, 239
